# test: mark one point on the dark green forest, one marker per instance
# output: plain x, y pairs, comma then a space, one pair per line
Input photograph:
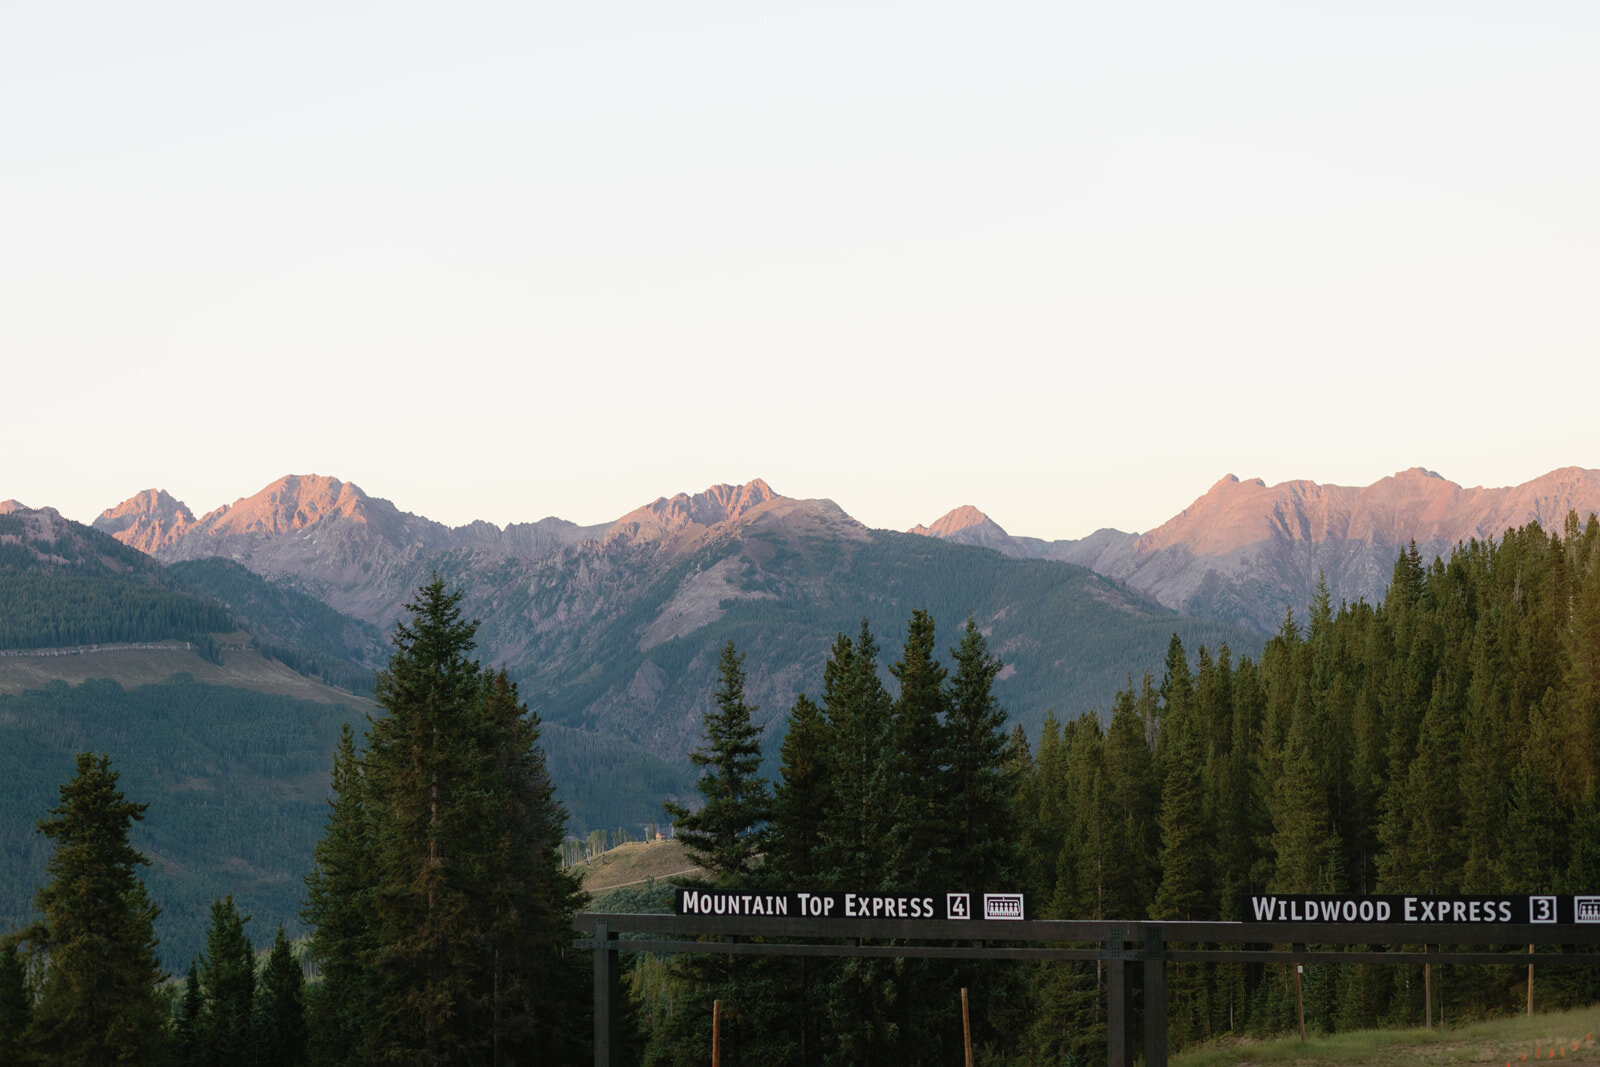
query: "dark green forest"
64, 584
237, 783
1444, 741
289, 626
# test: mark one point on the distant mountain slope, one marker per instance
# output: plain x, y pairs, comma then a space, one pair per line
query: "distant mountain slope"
236, 780
615, 629
288, 625
1246, 552
358, 554
62, 583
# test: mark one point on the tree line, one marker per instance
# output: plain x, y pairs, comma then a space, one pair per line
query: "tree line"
1446, 740
440, 914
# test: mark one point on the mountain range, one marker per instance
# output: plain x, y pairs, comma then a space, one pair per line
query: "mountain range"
615, 628
216, 657
1247, 553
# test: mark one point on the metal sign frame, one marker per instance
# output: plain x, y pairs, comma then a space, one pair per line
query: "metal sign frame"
1147, 946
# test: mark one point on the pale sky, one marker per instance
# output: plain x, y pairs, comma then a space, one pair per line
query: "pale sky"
1069, 262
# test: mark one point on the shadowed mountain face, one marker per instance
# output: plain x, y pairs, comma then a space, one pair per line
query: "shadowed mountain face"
616, 628
1246, 552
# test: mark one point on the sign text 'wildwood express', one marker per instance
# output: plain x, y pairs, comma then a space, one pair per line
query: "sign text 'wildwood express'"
1427, 908
793, 904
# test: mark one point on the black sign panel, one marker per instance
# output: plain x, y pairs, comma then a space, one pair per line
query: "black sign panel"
802, 905
1428, 908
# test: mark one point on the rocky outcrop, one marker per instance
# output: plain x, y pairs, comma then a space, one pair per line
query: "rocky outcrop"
148, 521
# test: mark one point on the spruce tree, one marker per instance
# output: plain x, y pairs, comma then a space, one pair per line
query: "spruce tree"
727, 833
980, 770
418, 769
919, 837
859, 713
227, 982
800, 800
99, 1002
787, 994
977, 787
861, 991
531, 994
187, 1050
442, 917
280, 1009
338, 911
724, 837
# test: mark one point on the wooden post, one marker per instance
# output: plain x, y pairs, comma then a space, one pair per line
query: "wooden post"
716, 1033
1299, 993
966, 1027
1530, 982
607, 998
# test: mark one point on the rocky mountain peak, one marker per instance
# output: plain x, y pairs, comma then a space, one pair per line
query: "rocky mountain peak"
148, 520
292, 503
965, 517
670, 515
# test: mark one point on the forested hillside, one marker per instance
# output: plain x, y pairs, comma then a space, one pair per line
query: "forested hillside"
237, 783
62, 583
1446, 740
291, 627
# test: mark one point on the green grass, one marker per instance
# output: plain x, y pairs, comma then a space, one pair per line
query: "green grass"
1516, 1040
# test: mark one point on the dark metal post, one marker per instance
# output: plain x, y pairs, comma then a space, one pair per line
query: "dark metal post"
607, 998
1119, 1043
1155, 999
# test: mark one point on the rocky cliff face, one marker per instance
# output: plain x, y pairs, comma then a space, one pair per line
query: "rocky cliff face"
148, 521
1246, 552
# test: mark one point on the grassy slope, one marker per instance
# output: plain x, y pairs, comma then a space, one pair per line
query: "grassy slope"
636, 862
1568, 1036
240, 668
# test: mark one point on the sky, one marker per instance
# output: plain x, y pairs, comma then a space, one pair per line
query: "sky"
1069, 262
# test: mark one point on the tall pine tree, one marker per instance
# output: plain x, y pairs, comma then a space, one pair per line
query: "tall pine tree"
98, 1003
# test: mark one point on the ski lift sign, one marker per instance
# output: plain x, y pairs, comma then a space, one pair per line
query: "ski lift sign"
794, 904
1535, 909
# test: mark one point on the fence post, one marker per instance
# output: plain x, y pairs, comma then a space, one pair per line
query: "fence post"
607, 997
1119, 1051
1155, 999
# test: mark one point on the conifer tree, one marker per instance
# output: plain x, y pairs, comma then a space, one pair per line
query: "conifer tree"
1133, 797
227, 983
980, 770
800, 799
419, 768
439, 905
723, 837
727, 833
861, 991
531, 988
187, 1050
338, 910
859, 720
98, 1003
919, 836
280, 1009
977, 785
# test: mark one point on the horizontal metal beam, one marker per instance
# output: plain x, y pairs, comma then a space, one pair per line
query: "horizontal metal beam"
791, 948
1065, 932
